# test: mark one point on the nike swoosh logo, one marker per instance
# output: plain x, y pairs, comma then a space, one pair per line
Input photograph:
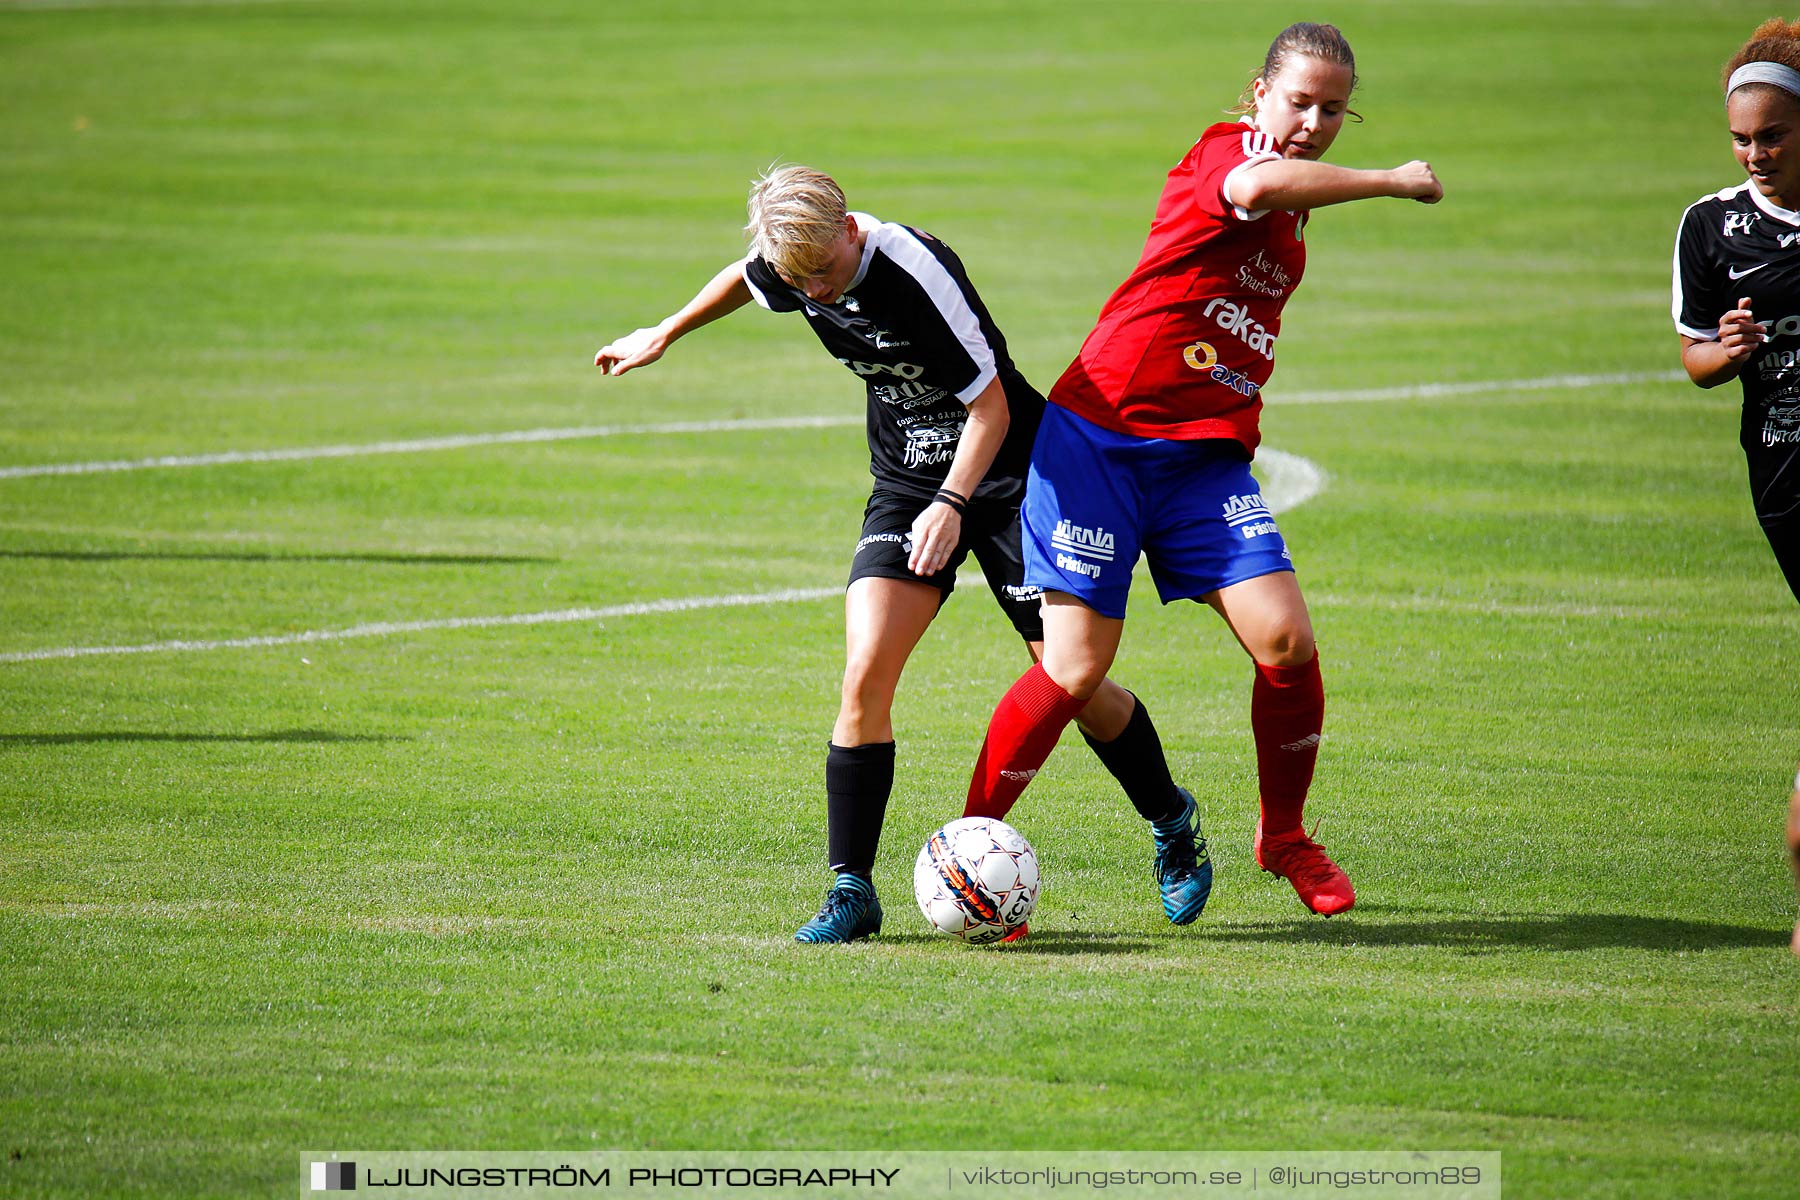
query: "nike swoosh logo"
1737, 274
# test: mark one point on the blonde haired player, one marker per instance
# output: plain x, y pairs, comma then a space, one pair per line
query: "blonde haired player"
950, 424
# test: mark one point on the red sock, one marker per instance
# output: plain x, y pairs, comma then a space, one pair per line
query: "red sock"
1287, 711
1025, 727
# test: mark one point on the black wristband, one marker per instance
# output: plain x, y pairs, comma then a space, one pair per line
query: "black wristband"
946, 496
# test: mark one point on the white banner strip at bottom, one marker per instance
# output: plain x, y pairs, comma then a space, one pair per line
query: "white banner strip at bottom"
974, 1175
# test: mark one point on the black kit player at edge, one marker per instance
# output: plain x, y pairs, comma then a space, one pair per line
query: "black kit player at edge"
1735, 244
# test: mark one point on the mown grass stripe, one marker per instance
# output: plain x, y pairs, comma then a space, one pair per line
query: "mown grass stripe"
581, 432
1292, 480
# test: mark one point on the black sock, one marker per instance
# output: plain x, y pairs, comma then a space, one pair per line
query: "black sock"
858, 780
1136, 760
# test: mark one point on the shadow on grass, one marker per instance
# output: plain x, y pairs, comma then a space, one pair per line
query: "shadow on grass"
1048, 942
261, 557
273, 735
1494, 932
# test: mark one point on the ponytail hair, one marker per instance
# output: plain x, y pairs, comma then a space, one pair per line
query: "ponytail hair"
1304, 39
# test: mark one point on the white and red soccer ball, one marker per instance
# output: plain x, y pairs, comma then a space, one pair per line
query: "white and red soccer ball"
976, 879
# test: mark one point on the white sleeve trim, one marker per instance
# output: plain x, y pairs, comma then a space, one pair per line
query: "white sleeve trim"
973, 392
911, 256
1258, 148
1680, 298
756, 293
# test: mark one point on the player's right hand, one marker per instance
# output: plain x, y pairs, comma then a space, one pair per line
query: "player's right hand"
639, 348
1739, 333
935, 533
1417, 181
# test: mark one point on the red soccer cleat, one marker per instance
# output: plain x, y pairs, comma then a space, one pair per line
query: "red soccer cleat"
1017, 935
1322, 884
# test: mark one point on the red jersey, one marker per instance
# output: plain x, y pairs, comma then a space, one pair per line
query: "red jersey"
1184, 346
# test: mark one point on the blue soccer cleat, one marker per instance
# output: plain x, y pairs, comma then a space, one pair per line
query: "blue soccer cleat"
851, 912
1182, 866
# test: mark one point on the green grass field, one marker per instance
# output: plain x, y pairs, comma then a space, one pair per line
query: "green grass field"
532, 886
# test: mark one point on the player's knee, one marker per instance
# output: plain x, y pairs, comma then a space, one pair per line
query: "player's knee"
868, 688
1078, 675
1288, 643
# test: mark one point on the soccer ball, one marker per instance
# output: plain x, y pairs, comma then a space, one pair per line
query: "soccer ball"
976, 879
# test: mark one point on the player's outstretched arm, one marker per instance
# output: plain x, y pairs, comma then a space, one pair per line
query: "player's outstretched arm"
1297, 184
724, 294
938, 529
1719, 360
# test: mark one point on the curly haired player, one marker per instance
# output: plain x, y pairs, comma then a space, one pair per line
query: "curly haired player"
1737, 294
1737, 280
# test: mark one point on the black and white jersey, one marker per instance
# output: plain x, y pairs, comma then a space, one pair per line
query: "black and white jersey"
1733, 244
913, 329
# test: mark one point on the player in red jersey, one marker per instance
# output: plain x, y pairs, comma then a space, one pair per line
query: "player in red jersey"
1146, 447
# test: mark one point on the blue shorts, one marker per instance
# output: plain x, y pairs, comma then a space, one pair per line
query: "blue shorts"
1095, 499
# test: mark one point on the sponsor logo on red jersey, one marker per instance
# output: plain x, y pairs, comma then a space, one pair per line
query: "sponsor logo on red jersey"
1262, 275
1202, 357
1235, 319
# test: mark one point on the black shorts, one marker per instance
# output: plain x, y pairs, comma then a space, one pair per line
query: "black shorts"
1775, 490
990, 531
1784, 539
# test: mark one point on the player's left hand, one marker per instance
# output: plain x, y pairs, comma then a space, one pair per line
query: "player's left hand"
1417, 181
934, 536
639, 348
1740, 333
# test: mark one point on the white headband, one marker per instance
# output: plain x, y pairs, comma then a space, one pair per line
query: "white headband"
1783, 77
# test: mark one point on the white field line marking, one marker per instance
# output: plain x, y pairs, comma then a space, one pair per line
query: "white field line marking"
1289, 480
1431, 391
463, 441
458, 442
388, 628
